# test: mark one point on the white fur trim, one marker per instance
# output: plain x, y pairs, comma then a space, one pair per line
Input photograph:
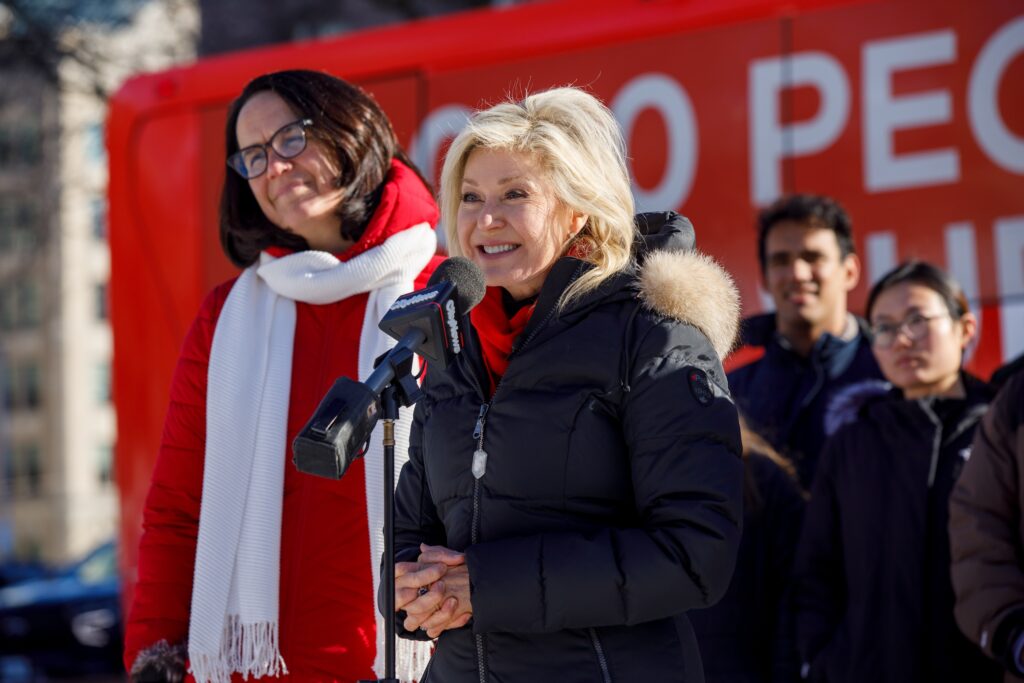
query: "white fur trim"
692, 288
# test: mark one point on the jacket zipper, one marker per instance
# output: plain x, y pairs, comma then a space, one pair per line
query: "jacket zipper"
819, 382
479, 468
972, 417
479, 465
936, 440
606, 676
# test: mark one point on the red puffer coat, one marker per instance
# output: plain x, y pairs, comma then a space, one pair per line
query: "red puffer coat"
327, 629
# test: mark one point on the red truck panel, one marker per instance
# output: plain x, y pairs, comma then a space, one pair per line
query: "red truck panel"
908, 111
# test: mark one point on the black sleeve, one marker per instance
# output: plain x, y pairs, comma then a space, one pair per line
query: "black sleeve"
683, 445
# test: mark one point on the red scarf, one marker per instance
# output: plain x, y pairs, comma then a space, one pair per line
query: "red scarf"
497, 332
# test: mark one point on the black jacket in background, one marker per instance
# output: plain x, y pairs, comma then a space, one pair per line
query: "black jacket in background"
610, 504
873, 593
749, 636
784, 396
1003, 374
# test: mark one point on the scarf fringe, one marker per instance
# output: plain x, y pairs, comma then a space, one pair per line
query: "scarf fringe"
411, 657
249, 649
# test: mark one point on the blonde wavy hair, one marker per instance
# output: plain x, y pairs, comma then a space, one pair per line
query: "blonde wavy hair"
579, 146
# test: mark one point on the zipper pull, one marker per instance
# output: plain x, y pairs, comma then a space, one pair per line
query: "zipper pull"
479, 428
479, 463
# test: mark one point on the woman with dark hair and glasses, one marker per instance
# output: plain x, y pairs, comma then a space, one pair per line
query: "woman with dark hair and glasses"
874, 598
247, 567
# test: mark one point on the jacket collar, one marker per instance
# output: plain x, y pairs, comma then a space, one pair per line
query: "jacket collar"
855, 400
668, 275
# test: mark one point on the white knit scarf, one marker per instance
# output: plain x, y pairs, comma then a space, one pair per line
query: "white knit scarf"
234, 619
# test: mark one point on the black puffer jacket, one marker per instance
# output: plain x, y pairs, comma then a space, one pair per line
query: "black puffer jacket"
873, 593
610, 503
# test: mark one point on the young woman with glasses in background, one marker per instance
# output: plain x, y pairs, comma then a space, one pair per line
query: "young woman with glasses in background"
873, 593
245, 565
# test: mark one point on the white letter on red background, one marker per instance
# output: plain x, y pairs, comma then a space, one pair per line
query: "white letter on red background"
1010, 268
962, 264
884, 113
440, 125
991, 132
663, 94
770, 141
880, 248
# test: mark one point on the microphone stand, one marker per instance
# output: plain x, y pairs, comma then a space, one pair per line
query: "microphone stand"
403, 390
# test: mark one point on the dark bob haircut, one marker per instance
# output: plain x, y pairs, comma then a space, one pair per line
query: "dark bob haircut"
813, 209
927, 275
346, 121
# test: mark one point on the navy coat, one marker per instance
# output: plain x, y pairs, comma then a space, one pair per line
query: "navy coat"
873, 592
784, 396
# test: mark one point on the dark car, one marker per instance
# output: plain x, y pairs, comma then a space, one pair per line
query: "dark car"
66, 625
16, 572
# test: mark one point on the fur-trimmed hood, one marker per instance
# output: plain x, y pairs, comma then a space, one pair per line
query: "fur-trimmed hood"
679, 282
849, 401
691, 287
668, 276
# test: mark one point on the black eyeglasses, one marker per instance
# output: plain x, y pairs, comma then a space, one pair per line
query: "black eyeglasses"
914, 326
287, 143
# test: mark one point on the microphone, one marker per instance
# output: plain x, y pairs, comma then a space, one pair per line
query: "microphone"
426, 322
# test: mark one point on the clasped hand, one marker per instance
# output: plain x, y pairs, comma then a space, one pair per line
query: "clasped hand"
433, 590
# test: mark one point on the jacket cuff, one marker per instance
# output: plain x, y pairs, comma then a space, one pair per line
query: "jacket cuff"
1014, 651
1008, 635
160, 663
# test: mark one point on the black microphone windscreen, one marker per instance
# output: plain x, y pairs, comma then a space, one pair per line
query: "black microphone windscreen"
467, 278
